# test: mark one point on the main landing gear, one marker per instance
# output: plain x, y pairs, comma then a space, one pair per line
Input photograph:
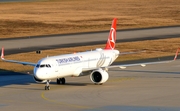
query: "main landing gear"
61, 81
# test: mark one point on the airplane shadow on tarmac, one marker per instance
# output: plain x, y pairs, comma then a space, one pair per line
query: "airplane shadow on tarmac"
10, 78
18, 78
71, 84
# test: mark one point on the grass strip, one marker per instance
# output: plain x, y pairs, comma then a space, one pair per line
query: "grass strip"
154, 49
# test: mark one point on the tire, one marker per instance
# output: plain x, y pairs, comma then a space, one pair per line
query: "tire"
63, 80
58, 81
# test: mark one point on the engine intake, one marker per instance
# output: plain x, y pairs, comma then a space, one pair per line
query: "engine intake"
99, 76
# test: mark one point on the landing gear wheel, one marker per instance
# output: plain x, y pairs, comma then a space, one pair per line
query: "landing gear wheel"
58, 81
63, 80
47, 87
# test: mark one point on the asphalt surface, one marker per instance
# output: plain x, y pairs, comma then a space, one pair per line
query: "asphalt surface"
150, 88
27, 44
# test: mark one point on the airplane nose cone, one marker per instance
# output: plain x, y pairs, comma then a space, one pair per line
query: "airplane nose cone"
37, 73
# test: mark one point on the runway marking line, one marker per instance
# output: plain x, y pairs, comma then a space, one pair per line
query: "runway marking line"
63, 103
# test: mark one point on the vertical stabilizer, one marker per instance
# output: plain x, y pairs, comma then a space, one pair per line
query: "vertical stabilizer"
110, 45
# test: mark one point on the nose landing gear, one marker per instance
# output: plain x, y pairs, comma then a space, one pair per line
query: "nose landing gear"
59, 81
47, 87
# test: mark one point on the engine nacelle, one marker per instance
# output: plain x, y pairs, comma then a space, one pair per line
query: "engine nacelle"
99, 76
39, 81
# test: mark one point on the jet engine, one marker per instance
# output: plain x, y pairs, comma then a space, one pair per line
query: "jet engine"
99, 76
39, 80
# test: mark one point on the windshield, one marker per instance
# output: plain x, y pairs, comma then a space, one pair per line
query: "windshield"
43, 65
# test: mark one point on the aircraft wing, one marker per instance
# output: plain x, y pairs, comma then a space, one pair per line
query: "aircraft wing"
143, 64
126, 65
135, 64
14, 61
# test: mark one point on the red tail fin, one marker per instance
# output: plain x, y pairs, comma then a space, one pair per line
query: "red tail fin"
112, 36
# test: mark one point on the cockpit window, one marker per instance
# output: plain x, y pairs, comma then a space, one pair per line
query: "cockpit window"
49, 65
43, 65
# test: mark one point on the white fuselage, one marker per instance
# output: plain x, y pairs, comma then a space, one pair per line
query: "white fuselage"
73, 64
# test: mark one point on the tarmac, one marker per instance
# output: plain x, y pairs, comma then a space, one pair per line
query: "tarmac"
150, 88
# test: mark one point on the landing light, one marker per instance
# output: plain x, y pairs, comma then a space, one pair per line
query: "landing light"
122, 67
143, 65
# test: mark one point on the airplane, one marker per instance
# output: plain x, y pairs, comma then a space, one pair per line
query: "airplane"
94, 63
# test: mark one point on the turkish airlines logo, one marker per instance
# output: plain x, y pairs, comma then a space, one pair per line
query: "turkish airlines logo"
111, 38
